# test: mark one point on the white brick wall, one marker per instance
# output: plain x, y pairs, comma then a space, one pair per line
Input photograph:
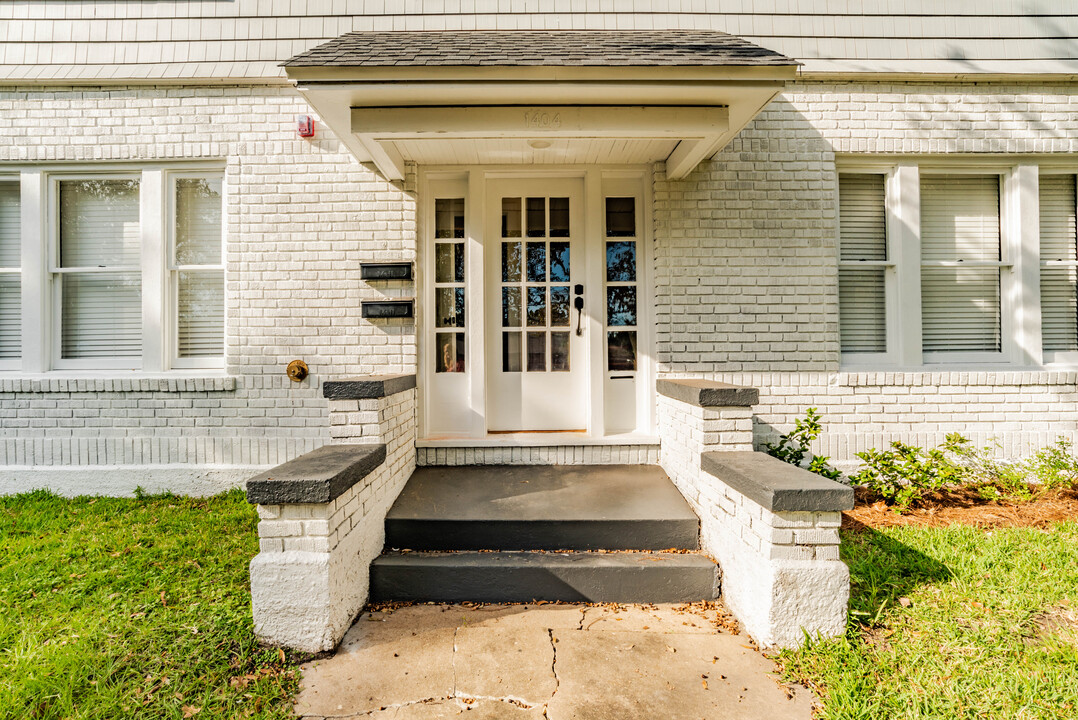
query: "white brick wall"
301, 216
780, 571
757, 227
312, 574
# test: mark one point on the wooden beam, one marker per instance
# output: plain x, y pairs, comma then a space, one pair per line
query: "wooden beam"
388, 161
541, 121
687, 155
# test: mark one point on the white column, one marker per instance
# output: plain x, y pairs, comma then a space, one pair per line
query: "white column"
152, 201
36, 284
904, 233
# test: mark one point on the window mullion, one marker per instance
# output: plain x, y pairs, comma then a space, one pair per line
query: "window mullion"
154, 252
904, 237
1021, 240
36, 286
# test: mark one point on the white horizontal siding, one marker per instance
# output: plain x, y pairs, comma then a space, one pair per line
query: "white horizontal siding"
248, 38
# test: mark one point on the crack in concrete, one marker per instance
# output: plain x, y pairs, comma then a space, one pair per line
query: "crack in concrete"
368, 713
454, 660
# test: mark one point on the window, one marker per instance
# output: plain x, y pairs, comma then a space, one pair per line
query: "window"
1059, 267
132, 270
10, 278
621, 284
863, 263
97, 274
961, 260
931, 264
449, 285
197, 271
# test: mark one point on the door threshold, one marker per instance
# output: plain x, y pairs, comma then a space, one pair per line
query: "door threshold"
540, 439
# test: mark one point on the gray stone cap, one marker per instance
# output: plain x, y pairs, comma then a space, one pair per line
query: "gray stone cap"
707, 393
369, 386
776, 485
585, 48
320, 476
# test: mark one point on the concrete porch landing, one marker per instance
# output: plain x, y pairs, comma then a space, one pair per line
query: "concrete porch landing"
541, 507
558, 662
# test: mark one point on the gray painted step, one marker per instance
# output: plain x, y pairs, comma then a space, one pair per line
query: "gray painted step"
525, 576
541, 507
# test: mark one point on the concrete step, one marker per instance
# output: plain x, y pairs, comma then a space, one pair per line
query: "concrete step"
541, 507
626, 577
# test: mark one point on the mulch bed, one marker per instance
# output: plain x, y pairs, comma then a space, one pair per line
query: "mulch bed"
963, 506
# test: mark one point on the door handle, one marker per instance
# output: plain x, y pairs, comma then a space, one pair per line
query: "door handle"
578, 303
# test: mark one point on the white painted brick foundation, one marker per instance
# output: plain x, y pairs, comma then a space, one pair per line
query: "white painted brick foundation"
552, 455
781, 573
312, 574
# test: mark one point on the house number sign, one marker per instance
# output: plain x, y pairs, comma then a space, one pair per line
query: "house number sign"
542, 120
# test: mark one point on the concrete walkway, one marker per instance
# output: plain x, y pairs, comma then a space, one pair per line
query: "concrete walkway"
547, 661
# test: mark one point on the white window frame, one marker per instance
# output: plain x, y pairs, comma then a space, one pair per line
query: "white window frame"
1019, 264
173, 269
890, 275
1054, 358
41, 304
13, 363
56, 273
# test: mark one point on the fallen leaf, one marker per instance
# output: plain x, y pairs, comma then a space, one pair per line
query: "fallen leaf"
905, 601
190, 710
280, 654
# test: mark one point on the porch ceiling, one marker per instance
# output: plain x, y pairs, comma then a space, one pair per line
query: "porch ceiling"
529, 97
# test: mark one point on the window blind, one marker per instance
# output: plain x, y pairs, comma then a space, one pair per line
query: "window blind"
10, 282
960, 306
1059, 263
100, 312
862, 237
200, 292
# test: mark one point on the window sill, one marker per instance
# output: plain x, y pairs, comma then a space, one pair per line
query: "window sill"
70, 382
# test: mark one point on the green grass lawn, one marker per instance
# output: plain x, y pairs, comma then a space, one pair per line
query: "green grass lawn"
116, 608
944, 624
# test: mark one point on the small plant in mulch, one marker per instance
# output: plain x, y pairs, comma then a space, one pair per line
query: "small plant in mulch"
906, 476
793, 447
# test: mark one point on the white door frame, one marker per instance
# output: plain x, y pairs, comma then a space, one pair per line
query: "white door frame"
454, 408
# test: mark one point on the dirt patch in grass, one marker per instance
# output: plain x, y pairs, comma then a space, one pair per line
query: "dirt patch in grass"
963, 506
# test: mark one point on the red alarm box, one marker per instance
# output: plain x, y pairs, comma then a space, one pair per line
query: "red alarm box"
305, 125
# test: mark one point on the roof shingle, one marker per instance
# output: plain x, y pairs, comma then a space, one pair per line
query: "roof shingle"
583, 48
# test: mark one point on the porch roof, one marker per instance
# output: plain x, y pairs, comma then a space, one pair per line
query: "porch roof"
592, 48
538, 97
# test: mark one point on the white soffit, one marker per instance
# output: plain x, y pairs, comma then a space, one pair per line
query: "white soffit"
587, 115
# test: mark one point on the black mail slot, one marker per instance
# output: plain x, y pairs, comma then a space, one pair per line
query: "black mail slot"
386, 271
387, 309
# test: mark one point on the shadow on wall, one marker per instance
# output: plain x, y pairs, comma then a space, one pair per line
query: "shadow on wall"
746, 271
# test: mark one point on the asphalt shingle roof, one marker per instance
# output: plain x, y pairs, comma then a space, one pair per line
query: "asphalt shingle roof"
581, 48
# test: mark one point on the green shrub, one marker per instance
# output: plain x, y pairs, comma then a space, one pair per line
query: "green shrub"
904, 474
794, 447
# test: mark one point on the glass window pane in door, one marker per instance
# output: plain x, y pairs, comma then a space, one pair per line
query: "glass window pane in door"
621, 305
559, 351
511, 261
559, 217
559, 262
449, 352
621, 261
511, 352
449, 262
559, 306
536, 262
536, 306
511, 217
511, 307
449, 218
449, 307
536, 217
536, 351
621, 350
620, 217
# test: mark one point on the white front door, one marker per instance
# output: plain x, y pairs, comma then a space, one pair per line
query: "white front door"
536, 349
